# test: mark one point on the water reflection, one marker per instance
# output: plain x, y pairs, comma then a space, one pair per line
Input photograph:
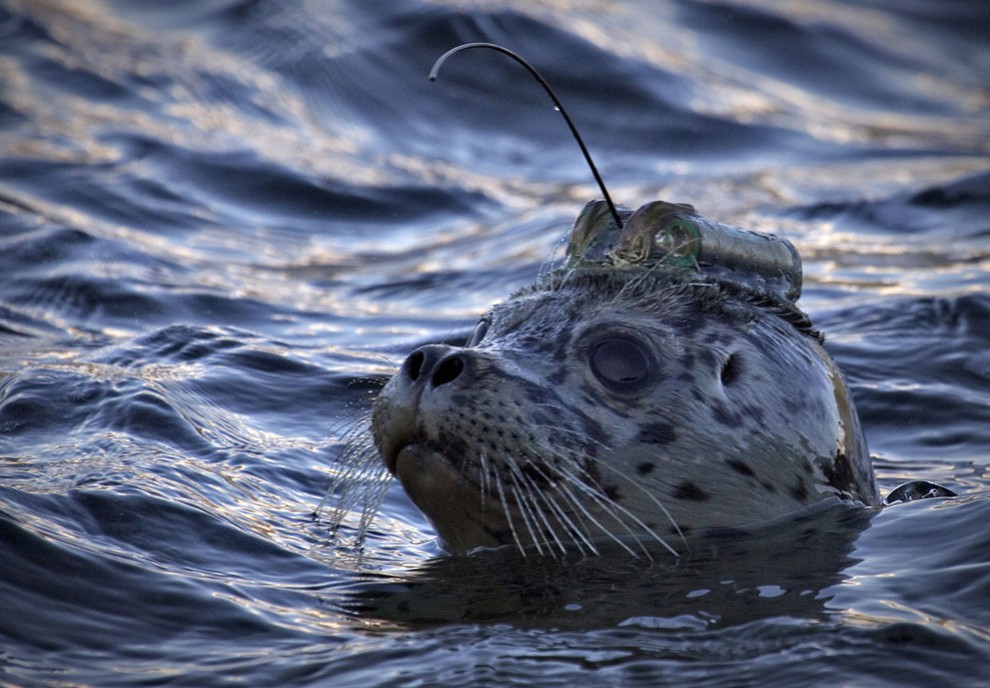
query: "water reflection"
223, 222
727, 579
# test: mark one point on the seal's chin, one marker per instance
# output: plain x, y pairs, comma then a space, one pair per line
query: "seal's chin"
424, 472
453, 504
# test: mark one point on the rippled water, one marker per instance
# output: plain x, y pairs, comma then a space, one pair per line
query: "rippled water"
224, 223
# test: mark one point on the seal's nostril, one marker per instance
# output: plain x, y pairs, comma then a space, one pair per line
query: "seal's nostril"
447, 371
414, 365
433, 364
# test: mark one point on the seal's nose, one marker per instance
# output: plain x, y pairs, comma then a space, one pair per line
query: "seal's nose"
434, 364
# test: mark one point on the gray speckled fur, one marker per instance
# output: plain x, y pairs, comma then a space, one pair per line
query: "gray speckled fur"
684, 454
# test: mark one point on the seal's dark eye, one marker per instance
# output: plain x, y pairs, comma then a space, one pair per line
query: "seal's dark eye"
480, 330
621, 363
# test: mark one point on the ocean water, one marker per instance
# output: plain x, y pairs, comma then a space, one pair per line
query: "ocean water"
224, 223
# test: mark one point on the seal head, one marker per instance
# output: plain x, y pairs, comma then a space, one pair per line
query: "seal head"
640, 393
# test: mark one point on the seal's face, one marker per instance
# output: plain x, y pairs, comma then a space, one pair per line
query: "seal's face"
602, 404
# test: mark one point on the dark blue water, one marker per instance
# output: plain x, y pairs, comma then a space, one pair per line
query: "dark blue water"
224, 223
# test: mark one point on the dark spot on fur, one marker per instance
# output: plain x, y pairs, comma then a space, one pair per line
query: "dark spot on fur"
740, 467
769, 487
754, 413
612, 492
800, 490
839, 473
690, 491
645, 468
723, 415
657, 433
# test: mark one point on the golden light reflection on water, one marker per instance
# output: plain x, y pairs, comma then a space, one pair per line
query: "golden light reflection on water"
94, 42
887, 612
895, 265
751, 96
328, 298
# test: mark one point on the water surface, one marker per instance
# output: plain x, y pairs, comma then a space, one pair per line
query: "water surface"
223, 224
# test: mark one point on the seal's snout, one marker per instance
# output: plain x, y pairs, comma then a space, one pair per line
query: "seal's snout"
434, 365
421, 390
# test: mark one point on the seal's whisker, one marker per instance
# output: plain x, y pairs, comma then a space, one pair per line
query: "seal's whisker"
535, 494
566, 489
639, 487
582, 542
506, 510
525, 513
560, 429
648, 529
484, 480
606, 506
649, 495
617, 511
358, 490
373, 499
360, 478
523, 508
566, 521
526, 510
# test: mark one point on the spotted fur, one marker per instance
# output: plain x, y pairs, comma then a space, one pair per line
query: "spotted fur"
740, 417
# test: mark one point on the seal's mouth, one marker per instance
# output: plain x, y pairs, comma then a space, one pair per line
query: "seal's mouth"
416, 464
400, 452
389, 451
394, 450
403, 435
392, 438
451, 502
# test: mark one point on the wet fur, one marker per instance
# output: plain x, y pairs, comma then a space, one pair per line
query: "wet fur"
526, 449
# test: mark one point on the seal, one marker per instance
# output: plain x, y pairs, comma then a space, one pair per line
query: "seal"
662, 382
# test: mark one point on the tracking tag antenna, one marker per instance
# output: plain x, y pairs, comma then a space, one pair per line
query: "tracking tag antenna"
560, 108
